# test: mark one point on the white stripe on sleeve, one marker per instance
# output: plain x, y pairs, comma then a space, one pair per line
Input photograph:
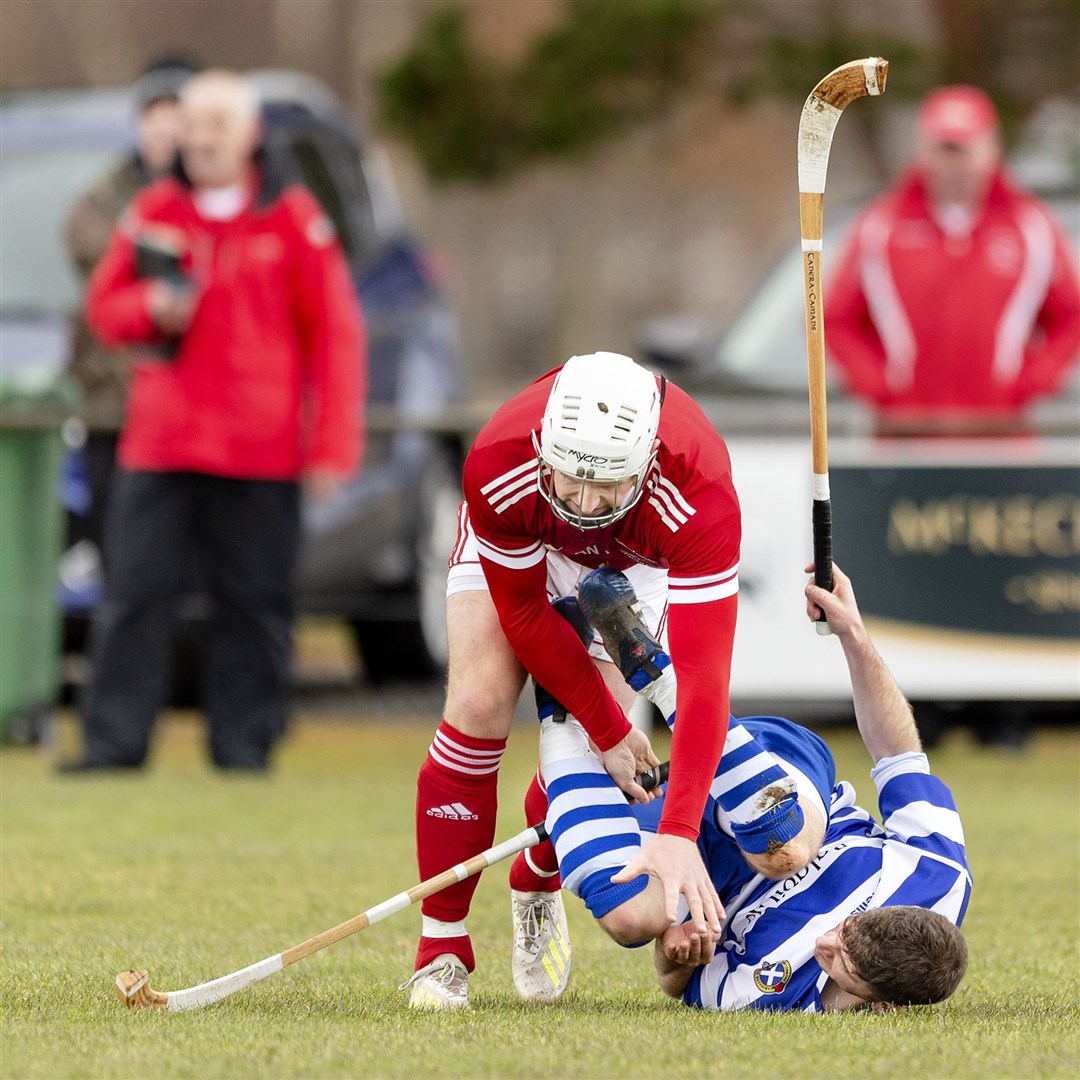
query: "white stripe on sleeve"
925, 819
887, 311
519, 559
508, 477
1027, 299
700, 590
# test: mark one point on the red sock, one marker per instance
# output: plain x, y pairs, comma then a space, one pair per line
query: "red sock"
456, 802
536, 869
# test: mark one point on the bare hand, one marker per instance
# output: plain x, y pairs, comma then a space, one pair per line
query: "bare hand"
171, 309
626, 759
683, 945
676, 862
839, 606
322, 485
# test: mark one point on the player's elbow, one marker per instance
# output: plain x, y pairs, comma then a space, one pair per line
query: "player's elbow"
672, 983
670, 976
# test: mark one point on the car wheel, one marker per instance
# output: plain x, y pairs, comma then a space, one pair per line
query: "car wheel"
417, 648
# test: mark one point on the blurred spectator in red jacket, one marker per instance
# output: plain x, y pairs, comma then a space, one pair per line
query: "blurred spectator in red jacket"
956, 302
248, 381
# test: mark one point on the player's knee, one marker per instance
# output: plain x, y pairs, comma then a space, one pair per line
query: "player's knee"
480, 711
636, 921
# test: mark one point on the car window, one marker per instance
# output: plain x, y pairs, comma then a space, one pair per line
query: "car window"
38, 187
330, 167
766, 344
344, 158
315, 173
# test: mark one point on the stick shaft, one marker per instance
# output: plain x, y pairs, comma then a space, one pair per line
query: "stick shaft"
811, 213
206, 993
527, 838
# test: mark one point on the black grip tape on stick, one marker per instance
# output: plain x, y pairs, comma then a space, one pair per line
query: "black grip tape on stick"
823, 575
651, 778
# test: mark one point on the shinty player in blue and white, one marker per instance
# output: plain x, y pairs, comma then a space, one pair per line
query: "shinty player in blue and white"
871, 921
866, 917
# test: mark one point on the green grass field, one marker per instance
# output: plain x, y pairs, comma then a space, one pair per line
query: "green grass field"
192, 875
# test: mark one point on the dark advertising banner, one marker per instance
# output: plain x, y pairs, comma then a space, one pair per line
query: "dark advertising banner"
990, 549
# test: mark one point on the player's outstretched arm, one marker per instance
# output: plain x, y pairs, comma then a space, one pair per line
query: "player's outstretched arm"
885, 720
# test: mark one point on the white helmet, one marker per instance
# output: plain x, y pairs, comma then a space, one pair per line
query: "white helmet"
599, 427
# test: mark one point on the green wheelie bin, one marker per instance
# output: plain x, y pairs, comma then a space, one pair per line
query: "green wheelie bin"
31, 535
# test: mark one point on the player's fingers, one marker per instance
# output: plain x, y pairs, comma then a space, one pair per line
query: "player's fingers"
693, 953
630, 871
712, 908
636, 791
693, 900
814, 597
708, 951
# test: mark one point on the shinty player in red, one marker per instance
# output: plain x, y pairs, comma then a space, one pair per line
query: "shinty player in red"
597, 463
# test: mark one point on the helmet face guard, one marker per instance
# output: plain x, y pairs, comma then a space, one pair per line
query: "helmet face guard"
599, 430
586, 480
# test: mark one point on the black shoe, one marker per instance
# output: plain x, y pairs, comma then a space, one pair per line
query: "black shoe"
609, 602
84, 766
568, 608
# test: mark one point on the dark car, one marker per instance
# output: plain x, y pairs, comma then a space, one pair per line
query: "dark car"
376, 555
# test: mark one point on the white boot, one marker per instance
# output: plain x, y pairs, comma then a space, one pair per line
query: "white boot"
541, 959
443, 984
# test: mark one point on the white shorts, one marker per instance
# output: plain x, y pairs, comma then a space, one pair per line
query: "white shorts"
563, 574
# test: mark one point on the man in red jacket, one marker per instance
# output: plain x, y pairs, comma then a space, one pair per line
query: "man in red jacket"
248, 381
956, 303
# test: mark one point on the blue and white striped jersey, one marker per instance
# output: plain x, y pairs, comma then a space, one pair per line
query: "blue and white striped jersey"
766, 959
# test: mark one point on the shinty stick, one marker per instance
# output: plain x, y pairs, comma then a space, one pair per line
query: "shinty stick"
135, 991
817, 123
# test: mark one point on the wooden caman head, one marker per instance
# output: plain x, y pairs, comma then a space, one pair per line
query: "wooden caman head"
850, 81
134, 990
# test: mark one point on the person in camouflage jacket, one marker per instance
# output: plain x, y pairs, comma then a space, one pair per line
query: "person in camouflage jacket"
102, 372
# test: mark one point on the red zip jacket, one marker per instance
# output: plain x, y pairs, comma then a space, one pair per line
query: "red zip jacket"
921, 323
268, 380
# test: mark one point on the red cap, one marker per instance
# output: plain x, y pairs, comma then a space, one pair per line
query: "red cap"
957, 114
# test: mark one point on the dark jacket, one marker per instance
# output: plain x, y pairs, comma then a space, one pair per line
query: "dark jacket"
101, 372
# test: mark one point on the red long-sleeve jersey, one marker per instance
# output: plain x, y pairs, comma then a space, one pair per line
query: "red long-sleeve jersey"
923, 322
686, 521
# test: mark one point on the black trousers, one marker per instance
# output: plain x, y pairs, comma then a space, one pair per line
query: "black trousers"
243, 536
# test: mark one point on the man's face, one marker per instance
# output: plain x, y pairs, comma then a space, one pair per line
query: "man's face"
218, 135
959, 172
158, 128
833, 959
590, 498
